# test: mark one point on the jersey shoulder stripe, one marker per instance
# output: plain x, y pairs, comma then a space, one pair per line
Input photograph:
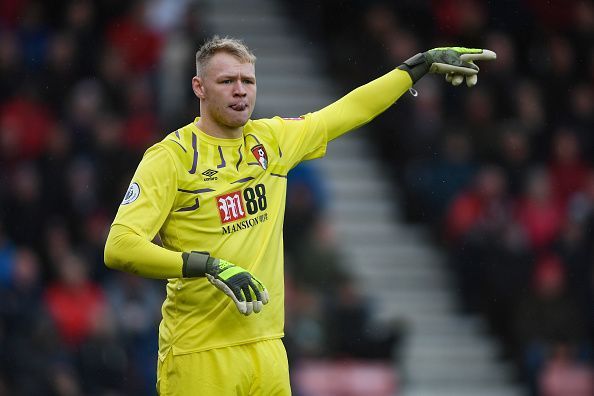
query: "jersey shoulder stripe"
182, 145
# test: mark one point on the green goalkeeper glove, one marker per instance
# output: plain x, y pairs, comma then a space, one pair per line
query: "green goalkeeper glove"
455, 62
246, 291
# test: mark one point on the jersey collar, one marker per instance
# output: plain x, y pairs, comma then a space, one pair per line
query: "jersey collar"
215, 140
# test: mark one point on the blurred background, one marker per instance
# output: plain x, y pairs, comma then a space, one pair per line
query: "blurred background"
444, 249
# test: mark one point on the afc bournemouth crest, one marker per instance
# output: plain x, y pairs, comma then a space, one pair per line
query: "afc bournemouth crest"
260, 154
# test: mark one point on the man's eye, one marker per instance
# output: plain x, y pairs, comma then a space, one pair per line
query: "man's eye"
248, 81
226, 82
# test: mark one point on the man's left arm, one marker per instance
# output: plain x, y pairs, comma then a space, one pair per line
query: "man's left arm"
368, 101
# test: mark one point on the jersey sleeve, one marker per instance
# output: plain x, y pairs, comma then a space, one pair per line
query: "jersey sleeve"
302, 138
364, 103
143, 211
306, 137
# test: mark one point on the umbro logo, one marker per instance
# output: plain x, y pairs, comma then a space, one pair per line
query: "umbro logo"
209, 173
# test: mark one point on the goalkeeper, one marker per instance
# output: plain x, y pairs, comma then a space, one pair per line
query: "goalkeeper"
214, 192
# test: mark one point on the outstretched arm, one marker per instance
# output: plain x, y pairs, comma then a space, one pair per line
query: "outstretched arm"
368, 101
365, 103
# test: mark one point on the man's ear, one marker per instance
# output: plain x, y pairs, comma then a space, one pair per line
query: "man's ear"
198, 87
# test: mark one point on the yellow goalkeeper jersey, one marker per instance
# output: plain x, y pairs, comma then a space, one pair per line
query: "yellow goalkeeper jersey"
226, 197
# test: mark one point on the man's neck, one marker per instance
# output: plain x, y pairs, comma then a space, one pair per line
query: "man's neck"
217, 130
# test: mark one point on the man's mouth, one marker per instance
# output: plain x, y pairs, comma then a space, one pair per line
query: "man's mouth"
239, 106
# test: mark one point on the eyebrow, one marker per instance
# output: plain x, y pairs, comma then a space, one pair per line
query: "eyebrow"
233, 76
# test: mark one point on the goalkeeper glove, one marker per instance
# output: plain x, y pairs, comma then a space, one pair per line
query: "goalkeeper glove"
246, 291
455, 62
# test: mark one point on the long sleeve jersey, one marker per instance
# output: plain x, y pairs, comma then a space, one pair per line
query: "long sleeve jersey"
226, 197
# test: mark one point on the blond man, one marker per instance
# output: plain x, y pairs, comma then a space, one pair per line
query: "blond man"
214, 191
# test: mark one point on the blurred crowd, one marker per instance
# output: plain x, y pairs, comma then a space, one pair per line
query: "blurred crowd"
503, 173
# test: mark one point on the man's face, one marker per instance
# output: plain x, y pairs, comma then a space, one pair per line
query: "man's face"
227, 91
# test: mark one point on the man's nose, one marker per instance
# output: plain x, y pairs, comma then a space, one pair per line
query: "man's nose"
239, 89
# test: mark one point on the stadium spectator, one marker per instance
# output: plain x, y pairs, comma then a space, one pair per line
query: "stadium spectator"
103, 363
567, 169
546, 316
433, 183
139, 45
514, 156
73, 300
565, 374
484, 206
538, 211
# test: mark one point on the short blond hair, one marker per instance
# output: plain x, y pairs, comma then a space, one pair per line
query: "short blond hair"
229, 45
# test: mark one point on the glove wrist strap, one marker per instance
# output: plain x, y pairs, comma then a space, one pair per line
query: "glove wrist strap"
195, 264
415, 66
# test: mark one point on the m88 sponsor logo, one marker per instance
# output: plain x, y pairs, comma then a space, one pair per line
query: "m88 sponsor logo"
236, 205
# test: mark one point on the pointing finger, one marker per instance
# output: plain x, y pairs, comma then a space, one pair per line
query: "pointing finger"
484, 55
